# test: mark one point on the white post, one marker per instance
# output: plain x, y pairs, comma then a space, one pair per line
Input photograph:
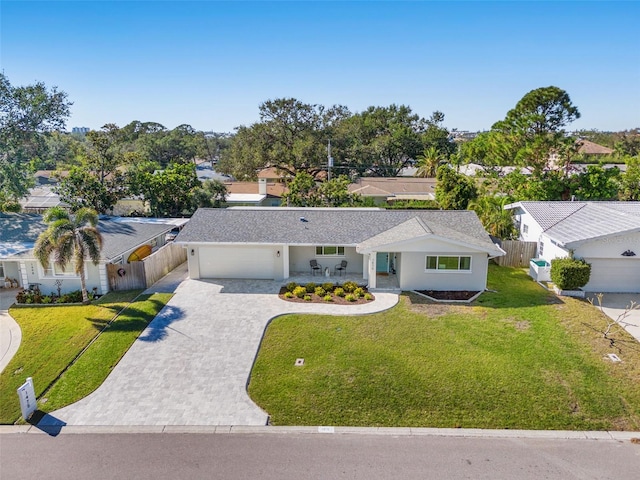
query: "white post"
27, 396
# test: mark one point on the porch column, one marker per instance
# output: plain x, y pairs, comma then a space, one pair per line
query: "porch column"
365, 266
23, 274
372, 270
285, 261
104, 284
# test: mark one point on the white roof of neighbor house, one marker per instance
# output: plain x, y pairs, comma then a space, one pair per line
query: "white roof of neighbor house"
19, 232
572, 223
244, 197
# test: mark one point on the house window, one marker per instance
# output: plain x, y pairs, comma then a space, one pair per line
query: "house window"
330, 251
442, 262
525, 228
541, 249
54, 270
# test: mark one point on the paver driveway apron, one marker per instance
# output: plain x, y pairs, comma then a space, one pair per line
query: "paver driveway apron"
192, 364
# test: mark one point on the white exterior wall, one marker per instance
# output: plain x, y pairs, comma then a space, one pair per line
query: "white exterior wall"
533, 229
33, 273
413, 274
551, 249
299, 259
11, 270
610, 247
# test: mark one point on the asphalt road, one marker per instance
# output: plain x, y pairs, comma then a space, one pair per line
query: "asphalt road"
302, 456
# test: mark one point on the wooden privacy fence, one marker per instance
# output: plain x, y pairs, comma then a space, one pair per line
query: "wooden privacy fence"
518, 253
158, 264
145, 273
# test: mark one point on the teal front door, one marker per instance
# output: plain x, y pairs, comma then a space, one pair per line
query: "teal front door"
382, 262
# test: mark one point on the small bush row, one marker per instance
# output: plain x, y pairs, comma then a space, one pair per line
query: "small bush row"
349, 290
31, 297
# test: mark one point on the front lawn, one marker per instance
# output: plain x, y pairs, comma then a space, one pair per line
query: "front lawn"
516, 358
52, 337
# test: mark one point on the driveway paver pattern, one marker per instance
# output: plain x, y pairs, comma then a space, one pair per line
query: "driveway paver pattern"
192, 364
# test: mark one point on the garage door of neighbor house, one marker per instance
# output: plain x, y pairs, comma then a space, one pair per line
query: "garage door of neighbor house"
614, 275
236, 262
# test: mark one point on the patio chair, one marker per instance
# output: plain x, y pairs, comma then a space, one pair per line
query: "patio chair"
341, 268
315, 267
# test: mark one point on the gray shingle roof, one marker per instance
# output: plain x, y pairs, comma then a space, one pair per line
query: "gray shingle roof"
571, 223
328, 226
19, 232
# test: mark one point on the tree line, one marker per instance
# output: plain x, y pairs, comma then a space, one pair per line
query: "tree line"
157, 165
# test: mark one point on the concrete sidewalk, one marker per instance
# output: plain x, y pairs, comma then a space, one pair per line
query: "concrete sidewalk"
192, 364
10, 333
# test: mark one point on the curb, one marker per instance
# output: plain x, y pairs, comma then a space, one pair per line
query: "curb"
322, 430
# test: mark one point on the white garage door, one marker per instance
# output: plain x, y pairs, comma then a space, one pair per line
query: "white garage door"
236, 262
614, 275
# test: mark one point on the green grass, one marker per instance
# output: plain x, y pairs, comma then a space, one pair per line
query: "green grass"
518, 358
53, 336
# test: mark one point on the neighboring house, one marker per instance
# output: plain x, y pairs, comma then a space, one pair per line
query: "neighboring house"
433, 250
266, 192
605, 234
390, 189
122, 237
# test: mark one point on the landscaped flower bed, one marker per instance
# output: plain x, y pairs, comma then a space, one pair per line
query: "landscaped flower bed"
348, 293
33, 297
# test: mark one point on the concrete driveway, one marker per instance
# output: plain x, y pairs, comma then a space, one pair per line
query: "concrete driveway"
614, 306
192, 364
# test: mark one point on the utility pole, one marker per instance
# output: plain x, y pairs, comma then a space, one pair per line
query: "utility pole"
329, 161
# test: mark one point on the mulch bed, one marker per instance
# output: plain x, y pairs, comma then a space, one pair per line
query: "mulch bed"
316, 299
448, 295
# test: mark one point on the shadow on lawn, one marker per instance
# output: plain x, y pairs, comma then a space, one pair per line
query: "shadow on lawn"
136, 319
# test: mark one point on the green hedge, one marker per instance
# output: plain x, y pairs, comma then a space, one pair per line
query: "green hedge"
570, 273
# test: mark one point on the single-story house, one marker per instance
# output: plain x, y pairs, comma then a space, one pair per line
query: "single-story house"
391, 189
605, 234
434, 250
121, 238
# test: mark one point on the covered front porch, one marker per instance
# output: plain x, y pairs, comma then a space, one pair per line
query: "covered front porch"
386, 283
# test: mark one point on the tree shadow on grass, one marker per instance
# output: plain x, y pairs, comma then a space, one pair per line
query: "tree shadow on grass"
136, 319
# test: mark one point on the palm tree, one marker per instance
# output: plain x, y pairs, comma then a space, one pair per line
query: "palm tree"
495, 219
428, 162
70, 239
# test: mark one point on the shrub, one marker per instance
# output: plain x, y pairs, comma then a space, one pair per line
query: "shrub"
320, 291
47, 299
291, 286
311, 287
339, 291
328, 286
350, 297
328, 298
570, 273
368, 296
349, 286
289, 295
300, 291
358, 292
307, 298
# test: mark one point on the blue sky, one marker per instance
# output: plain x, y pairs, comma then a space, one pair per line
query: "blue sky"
210, 64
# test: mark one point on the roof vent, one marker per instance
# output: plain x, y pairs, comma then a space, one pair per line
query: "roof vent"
304, 220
